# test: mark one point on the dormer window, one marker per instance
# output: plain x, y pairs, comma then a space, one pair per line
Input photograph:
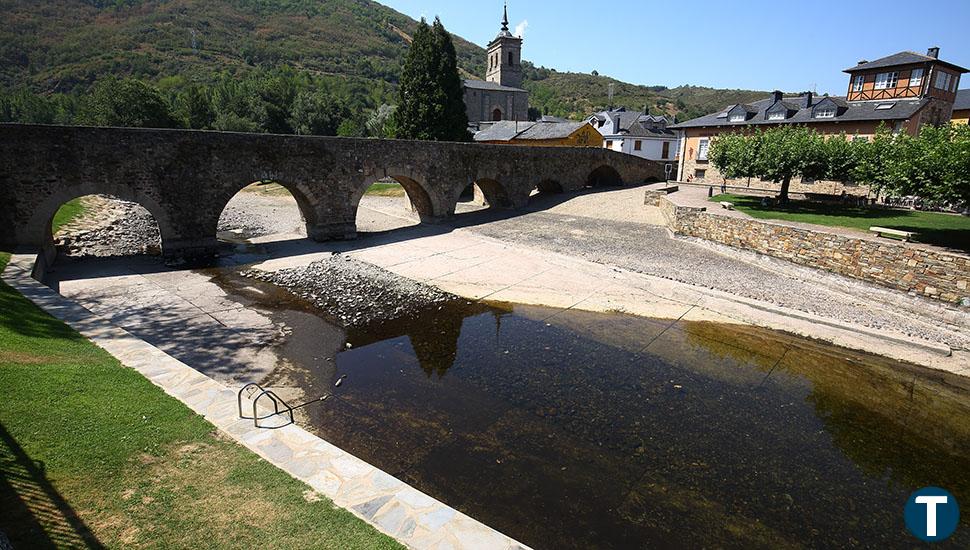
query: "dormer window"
886, 80
857, 83
777, 115
825, 112
737, 117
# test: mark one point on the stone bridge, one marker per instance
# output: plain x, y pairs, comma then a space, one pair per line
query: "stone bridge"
186, 177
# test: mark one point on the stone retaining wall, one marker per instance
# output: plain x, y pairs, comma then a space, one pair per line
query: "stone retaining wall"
653, 194
911, 268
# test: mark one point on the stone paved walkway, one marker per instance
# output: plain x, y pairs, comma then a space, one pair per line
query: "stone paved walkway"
393, 507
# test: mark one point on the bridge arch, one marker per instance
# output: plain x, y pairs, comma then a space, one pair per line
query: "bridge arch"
233, 215
549, 186
603, 175
422, 199
39, 230
492, 192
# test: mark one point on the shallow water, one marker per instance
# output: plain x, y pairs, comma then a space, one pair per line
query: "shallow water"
570, 429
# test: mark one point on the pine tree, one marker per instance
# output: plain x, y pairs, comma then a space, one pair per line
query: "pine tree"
430, 95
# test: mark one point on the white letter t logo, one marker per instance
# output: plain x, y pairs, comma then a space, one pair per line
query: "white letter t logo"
930, 503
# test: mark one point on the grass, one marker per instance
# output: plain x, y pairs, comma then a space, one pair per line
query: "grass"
949, 230
385, 190
93, 454
379, 189
68, 212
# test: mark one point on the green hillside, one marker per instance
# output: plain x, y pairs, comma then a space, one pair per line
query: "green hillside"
64, 46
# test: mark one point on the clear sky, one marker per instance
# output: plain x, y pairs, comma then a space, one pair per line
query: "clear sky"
751, 44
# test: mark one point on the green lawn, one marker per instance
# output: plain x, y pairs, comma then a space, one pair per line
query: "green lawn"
948, 230
386, 189
67, 213
92, 454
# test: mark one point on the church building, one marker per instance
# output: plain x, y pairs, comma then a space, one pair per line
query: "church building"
500, 96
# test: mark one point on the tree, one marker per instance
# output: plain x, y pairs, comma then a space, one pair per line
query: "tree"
194, 107
841, 157
127, 102
932, 165
777, 154
317, 113
873, 161
735, 155
379, 122
430, 95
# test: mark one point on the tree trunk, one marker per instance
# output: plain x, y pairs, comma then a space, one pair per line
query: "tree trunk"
783, 194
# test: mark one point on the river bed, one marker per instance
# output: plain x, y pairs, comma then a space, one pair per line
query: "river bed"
572, 429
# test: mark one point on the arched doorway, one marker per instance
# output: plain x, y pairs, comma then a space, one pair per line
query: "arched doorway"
497, 115
103, 226
261, 209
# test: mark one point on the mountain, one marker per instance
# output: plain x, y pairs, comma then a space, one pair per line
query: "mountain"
65, 45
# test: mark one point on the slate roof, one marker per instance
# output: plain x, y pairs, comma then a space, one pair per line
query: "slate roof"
485, 85
634, 123
507, 130
901, 58
963, 100
854, 111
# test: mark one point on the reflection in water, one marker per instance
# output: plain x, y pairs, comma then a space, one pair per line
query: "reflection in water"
569, 429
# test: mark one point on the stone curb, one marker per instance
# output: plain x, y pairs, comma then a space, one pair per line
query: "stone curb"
385, 502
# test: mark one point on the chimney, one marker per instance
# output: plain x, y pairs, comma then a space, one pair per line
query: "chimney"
933, 52
863, 61
778, 95
808, 100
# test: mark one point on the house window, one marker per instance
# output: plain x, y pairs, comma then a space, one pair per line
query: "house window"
510, 58
608, 144
916, 77
886, 80
665, 152
857, 83
638, 145
825, 112
737, 117
699, 173
942, 80
702, 148
777, 115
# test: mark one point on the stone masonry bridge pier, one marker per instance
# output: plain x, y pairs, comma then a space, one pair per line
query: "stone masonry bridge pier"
185, 178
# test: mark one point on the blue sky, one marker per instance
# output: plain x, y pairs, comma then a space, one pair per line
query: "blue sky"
754, 44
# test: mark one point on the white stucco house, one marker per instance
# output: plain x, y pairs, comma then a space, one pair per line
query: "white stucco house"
637, 133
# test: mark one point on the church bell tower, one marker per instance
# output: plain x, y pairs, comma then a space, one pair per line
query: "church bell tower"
505, 57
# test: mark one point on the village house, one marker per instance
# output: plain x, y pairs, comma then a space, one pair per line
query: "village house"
636, 133
901, 92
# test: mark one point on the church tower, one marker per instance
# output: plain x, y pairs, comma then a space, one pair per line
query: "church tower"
505, 57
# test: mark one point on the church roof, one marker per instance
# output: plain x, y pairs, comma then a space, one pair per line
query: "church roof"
486, 85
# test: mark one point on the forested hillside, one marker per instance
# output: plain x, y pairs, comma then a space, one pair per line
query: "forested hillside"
353, 48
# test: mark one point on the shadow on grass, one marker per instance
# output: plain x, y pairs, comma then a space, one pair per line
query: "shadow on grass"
34, 514
22, 317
